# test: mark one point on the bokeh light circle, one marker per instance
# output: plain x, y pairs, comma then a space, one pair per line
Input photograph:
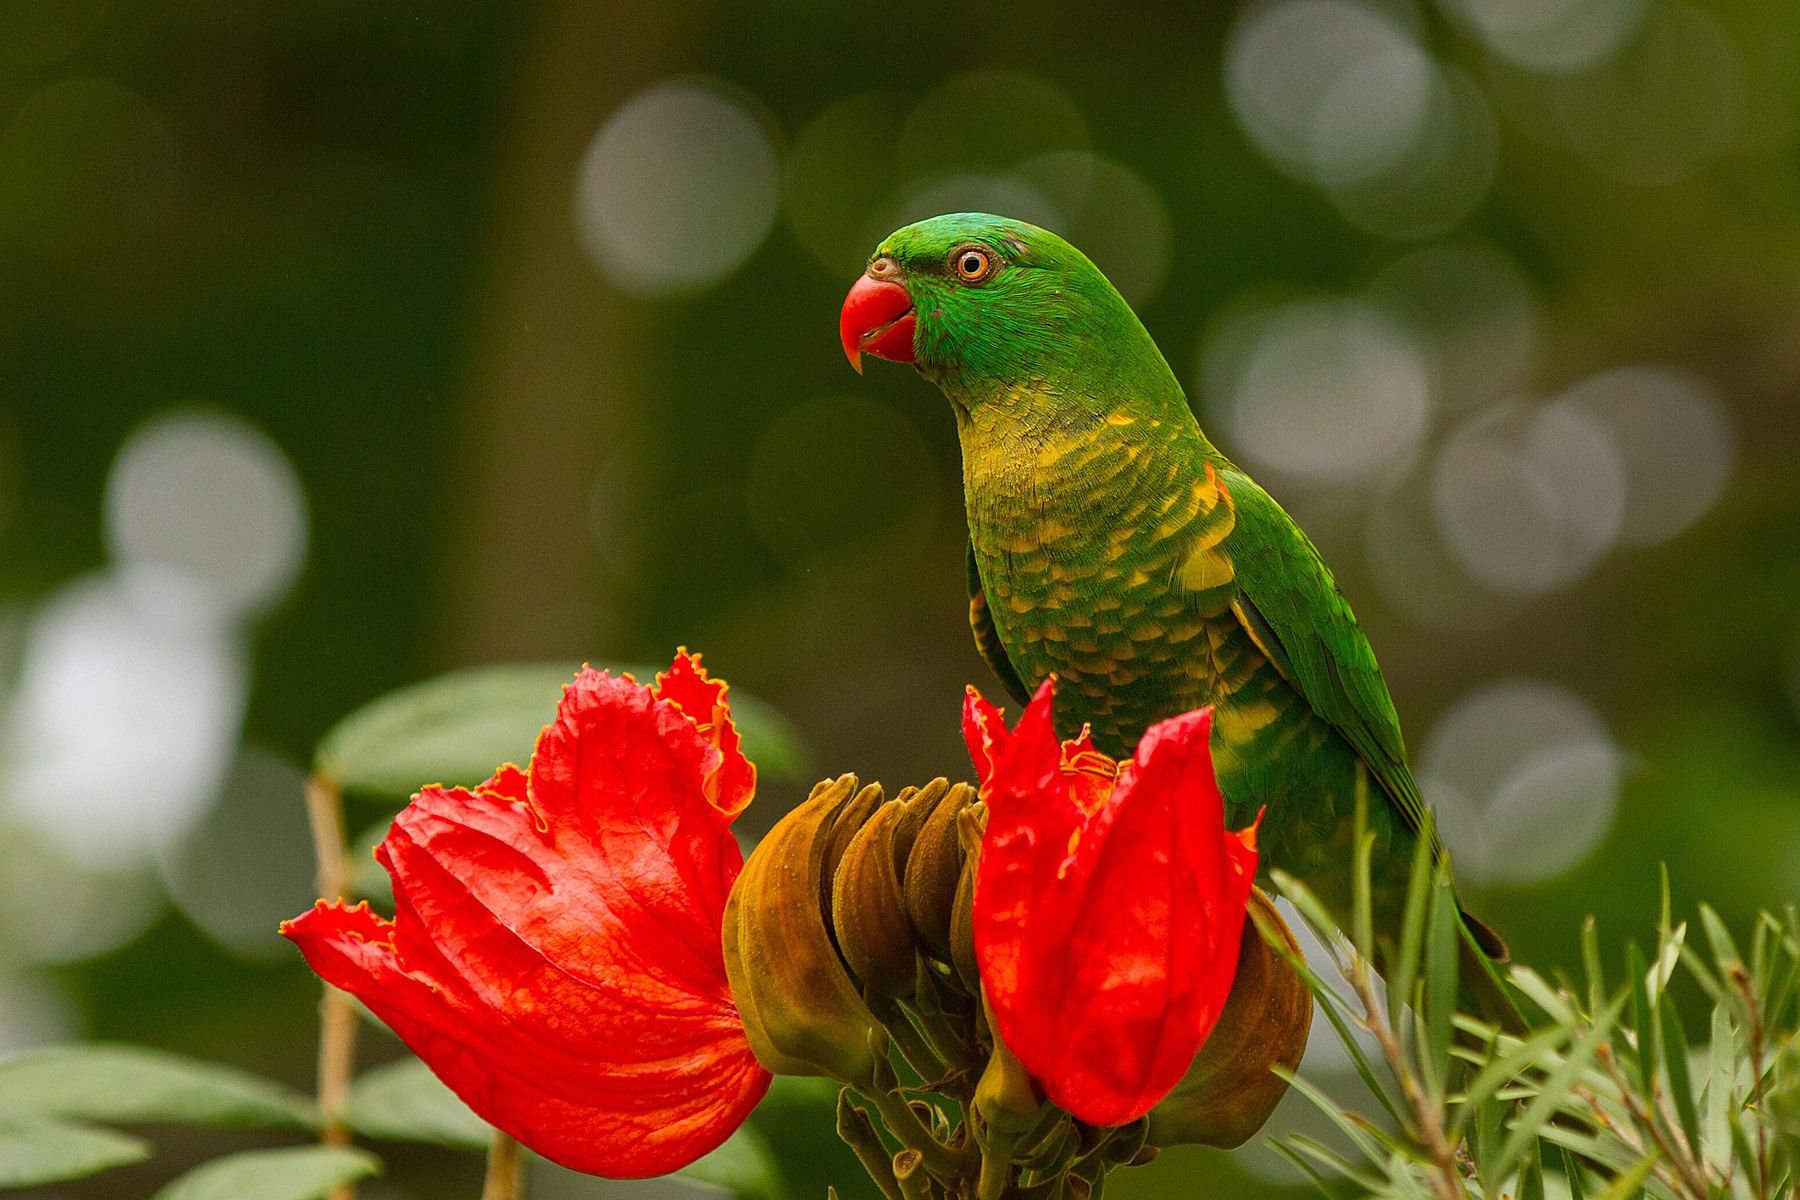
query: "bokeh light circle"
1527, 496
678, 188
213, 498
1328, 391
1332, 91
1675, 441
246, 866
1524, 777
1551, 36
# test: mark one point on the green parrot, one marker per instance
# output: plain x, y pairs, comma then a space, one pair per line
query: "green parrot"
1111, 544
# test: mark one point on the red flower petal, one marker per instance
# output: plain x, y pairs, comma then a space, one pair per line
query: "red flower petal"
1107, 910
985, 731
555, 955
686, 685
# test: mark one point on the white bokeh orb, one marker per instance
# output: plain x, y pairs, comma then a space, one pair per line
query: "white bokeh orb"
678, 188
213, 499
1328, 391
1524, 777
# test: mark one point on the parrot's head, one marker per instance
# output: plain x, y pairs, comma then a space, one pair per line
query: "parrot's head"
984, 304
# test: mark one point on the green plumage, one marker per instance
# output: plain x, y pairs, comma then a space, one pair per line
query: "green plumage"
1111, 544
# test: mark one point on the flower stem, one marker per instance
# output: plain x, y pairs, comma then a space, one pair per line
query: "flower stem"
909, 1172
337, 1017
855, 1128
505, 1169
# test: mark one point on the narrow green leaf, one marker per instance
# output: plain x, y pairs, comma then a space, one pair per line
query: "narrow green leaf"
457, 728
1412, 926
1507, 1067
1590, 961
1721, 1075
1363, 910
404, 1102
1574, 1175
744, 1165
1355, 1132
1488, 1132
1531, 1176
1440, 978
1532, 986
1550, 1098
1639, 1067
1325, 1155
1675, 1059
35, 1151
295, 1173
1301, 1163
1724, 947
1332, 1005
1703, 974
120, 1084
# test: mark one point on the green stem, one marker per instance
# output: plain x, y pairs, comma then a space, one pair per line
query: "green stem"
915, 1183
859, 1134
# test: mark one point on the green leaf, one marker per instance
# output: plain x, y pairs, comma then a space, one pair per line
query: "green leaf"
297, 1173
1549, 1100
1574, 1176
1675, 1057
1590, 961
119, 1084
1440, 980
744, 1165
1412, 925
34, 1151
1724, 947
1362, 907
1715, 1134
457, 728
404, 1102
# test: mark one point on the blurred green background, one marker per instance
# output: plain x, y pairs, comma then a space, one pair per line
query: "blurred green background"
344, 343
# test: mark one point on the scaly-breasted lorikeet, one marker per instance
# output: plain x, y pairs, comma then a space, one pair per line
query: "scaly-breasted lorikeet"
1111, 543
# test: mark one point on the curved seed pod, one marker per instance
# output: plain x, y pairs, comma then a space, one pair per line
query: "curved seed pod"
934, 868
802, 1011
962, 932
843, 828
866, 909
1230, 1090
920, 804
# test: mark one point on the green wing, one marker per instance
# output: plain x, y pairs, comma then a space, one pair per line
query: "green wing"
987, 638
1291, 606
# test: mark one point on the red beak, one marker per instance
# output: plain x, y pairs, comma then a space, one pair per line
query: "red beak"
878, 320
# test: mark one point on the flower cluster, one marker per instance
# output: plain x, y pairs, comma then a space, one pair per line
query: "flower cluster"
580, 951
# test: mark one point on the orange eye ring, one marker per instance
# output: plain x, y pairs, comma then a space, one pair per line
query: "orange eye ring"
971, 264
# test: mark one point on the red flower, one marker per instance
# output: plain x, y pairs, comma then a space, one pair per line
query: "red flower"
555, 952
1109, 904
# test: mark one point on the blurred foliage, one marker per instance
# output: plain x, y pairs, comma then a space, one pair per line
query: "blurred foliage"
355, 227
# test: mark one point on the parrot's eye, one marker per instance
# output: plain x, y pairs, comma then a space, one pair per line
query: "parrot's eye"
972, 264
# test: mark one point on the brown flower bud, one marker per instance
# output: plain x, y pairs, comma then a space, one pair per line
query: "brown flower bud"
969, 826
867, 910
1230, 1090
802, 1010
934, 867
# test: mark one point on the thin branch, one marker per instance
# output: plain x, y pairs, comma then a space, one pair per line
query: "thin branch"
1446, 1179
505, 1170
337, 1016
